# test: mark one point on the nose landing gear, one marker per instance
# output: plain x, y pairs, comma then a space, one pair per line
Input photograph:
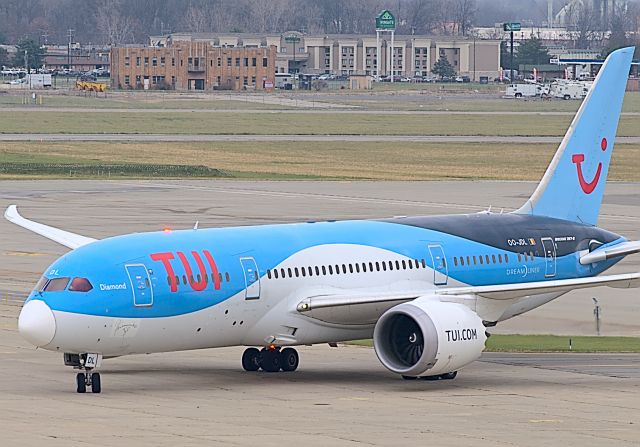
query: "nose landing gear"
270, 359
85, 378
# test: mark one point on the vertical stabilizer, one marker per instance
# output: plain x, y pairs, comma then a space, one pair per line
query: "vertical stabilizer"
573, 185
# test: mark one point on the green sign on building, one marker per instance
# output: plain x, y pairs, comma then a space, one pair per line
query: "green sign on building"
385, 21
513, 26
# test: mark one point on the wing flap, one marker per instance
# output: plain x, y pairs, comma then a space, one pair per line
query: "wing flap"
65, 238
603, 254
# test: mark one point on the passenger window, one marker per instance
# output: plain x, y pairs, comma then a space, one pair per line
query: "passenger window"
390, 265
275, 273
304, 271
331, 270
290, 274
337, 269
357, 268
519, 257
219, 277
506, 258
480, 259
404, 265
424, 263
56, 284
377, 266
317, 271
397, 265
525, 257
350, 268
282, 273
474, 260
184, 279
295, 269
324, 270
493, 258
410, 264
486, 258
462, 260
169, 280
500, 258
371, 266
344, 269
364, 267
468, 260
268, 273
384, 266
531, 255
81, 285
227, 277
455, 261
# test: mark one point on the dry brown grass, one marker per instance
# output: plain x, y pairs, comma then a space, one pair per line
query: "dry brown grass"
344, 160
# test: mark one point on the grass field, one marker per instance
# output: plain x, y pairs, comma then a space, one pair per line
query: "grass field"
552, 343
321, 160
294, 123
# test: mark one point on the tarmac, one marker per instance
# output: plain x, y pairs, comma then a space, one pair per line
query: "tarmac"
339, 396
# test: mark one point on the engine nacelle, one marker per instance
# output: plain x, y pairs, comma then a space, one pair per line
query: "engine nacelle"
428, 337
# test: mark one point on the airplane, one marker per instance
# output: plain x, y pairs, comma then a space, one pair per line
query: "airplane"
425, 289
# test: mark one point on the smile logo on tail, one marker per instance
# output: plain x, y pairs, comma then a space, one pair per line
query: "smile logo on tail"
586, 186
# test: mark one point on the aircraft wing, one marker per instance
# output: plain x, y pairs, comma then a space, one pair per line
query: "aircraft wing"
65, 238
623, 249
497, 292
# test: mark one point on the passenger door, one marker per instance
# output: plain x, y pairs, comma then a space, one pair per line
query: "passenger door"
440, 270
140, 284
251, 278
549, 248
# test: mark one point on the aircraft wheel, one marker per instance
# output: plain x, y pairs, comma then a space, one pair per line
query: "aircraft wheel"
81, 383
409, 377
270, 360
289, 359
449, 376
251, 359
96, 386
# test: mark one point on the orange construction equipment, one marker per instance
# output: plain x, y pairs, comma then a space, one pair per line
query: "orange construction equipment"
91, 86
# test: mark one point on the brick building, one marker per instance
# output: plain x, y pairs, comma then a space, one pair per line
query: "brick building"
193, 65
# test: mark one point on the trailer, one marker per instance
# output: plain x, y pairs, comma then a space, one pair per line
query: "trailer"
569, 89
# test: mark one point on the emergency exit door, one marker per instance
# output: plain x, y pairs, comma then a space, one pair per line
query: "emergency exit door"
140, 284
440, 270
251, 278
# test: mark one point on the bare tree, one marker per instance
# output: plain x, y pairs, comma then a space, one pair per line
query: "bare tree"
583, 20
115, 26
463, 12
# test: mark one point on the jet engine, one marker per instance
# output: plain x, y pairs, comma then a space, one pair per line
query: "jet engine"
428, 337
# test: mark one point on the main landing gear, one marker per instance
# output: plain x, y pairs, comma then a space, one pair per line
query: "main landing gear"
85, 378
270, 359
448, 376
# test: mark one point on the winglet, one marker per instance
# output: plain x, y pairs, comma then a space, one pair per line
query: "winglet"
65, 238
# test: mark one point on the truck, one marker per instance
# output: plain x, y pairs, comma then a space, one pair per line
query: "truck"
38, 80
569, 89
525, 90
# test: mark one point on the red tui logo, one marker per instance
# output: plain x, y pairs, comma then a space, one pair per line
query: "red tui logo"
588, 187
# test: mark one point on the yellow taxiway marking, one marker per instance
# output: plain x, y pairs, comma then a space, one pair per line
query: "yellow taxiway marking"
24, 253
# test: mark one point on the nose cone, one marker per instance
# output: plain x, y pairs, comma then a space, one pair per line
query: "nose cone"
36, 323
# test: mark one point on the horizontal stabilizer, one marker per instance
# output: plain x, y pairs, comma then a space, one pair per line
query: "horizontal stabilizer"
65, 238
616, 251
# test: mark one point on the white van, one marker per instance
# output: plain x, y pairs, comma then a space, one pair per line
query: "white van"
524, 90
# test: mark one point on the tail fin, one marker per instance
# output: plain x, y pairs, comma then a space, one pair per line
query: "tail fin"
573, 185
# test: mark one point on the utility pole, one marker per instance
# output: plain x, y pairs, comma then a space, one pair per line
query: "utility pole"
597, 311
70, 36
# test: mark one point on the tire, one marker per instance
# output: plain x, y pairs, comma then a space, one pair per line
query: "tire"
96, 386
270, 361
449, 376
409, 377
81, 386
566, 97
289, 359
518, 95
251, 359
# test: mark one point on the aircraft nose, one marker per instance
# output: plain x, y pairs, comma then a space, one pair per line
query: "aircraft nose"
36, 323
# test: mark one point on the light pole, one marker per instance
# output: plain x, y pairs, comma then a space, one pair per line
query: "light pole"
293, 38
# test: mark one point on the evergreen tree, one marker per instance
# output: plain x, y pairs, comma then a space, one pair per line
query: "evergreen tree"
443, 68
35, 54
532, 52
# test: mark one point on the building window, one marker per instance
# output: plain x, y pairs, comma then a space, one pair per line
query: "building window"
154, 61
126, 61
237, 61
146, 61
253, 80
127, 80
162, 60
265, 62
219, 62
173, 61
246, 61
138, 79
245, 81
173, 80
228, 62
138, 61
253, 61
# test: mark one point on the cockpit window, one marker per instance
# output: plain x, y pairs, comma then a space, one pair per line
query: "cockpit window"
40, 285
80, 285
56, 285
